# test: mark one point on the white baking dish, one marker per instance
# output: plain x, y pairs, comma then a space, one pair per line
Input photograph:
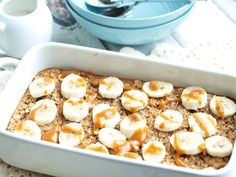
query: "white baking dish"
57, 160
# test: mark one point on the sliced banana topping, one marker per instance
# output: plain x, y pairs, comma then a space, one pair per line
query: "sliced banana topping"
29, 129
43, 112
71, 134
97, 147
169, 120
157, 89
108, 136
189, 143
218, 146
134, 127
154, 151
194, 98
202, 123
134, 100
131, 155
105, 116
75, 109
222, 106
73, 86
41, 86
111, 87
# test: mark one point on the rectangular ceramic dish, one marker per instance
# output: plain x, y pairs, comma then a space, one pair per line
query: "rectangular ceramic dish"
56, 160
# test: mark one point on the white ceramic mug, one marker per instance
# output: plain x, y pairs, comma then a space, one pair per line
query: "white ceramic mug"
23, 24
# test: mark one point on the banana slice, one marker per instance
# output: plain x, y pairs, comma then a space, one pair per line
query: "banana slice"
73, 86
134, 100
154, 151
41, 86
105, 116
71, 134
218, 146
202, 123
75, 109
169, 120
189, 143
131, 155
157, 89
43, 112
97, 147
134, 127
194, 98
111, 87
29, 129
108, 136
222, 106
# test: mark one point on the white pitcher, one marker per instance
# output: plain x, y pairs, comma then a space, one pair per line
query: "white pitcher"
23, 24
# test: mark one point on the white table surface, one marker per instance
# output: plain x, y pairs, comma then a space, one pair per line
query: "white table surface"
210, 22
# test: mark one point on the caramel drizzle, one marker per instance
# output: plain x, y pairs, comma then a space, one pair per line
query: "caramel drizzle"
103, 82
220, 108
51, 136
68, 129
48, 80
65, 73
162, 125
130, 155
105, 114
127, 87
122, 146
33, 113
177, 145
201, 124
80, 82
90, 98
154, 86
20, 126
167, 118
133, 109
74, 103
153, 149
140, 135
135, 117
196, 95
168, 100
202, 148
179, 162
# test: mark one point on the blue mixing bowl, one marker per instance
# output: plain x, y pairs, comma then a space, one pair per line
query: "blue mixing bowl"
124, 36
145, 14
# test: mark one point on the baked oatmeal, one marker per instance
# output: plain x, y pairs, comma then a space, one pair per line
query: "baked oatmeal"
151, 121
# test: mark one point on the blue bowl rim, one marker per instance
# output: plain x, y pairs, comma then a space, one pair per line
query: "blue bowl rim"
164, 24
189, 4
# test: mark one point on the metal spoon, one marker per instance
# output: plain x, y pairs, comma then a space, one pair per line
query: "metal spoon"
103, 3
120, 11
115, 3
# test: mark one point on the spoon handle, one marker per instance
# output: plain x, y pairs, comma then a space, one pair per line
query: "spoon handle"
127, 1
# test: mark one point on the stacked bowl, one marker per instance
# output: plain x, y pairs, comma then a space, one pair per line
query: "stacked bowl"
145, 23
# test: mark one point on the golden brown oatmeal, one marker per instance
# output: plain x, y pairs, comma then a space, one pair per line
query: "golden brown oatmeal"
225, 127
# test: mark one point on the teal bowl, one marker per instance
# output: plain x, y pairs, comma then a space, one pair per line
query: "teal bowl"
124, 36
145, 14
